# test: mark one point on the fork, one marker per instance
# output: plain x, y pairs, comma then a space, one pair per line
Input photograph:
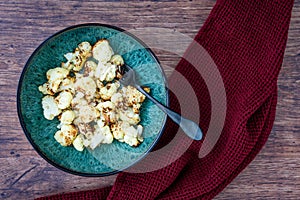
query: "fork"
188, 126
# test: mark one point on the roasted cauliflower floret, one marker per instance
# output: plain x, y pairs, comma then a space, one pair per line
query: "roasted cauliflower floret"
105, 106
87, 86
117, 60
57, 73
117, 99
108, 137
102, 135
132, 141
105, 72
64, 99
124, 132
117, 131
78, 100
67, 84
90, 68
102, 51
86, 114
55, 77
85, 129
129, 116
85, 49
50, 107
67, 117
108, 90
66, 135
107, 111
45, 89
133, 135
78, 143
76, 60
133, 96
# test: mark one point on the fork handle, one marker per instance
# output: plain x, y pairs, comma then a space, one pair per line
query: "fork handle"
188, 126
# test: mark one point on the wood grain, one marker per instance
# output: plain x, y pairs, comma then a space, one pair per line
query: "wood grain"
274, 174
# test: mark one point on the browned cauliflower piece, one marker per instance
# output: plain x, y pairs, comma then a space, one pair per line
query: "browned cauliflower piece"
102, 51
66, 135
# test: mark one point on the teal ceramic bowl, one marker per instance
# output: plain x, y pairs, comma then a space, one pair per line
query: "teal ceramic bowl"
108, 158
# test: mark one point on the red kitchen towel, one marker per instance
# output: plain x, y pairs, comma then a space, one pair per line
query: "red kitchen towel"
246, 40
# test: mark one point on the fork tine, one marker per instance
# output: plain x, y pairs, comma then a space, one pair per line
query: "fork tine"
128, 78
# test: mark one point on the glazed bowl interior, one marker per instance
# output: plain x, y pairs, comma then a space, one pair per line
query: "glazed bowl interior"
107, 159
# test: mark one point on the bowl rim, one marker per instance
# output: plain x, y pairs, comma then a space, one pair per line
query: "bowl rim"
27, 133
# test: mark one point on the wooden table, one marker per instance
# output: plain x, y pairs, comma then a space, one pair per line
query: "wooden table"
274, 174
